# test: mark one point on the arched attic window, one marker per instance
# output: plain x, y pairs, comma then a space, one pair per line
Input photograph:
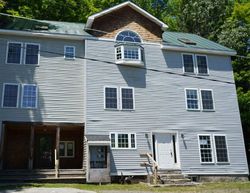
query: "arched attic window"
128, 36
128, 50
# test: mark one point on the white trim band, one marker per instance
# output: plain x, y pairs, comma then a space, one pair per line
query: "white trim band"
198, 50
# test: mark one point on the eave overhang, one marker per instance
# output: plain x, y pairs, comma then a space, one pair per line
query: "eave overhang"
131, 5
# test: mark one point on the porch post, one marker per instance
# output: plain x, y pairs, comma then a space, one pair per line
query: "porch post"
31, 157
2, 145
57, 163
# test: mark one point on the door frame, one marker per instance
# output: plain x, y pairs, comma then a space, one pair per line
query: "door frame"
177, 165
37, 153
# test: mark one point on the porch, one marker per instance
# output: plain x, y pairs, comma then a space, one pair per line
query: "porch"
42, 151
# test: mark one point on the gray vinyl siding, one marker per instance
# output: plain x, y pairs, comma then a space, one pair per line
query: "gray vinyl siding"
160, 107
60, 82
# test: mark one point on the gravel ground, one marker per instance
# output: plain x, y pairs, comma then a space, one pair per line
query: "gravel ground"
47, 190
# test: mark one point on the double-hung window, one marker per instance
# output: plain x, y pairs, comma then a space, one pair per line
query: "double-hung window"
201, 62
69, 52
218, 143
32, 53
111, 98
199, 98
192, 99
123, 140
29, 96
67, 149
188, 63
207, 100
221, 148
195, 64
206, 153
14, 53
127, 98
10, 95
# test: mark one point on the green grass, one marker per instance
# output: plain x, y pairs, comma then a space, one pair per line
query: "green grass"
224, 187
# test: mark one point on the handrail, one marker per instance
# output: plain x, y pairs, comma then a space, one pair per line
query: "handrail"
155, 168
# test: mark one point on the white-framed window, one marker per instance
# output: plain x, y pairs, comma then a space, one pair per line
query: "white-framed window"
188, 63
32, 53
128, 50
207, 99
206, 149
29, 96
67, 149
110, 97
14, 53
192, 99
221, 150
123, 140
202, 66
69, 52
10, 95
195, 64
127, 98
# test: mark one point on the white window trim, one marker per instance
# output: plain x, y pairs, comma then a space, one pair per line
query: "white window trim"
18, 91
198, 98
196, 62
74, 48
215, 152
129, 141
196, 71
23, 93
7, 52
207, 110
65, 150
183, 67
134, 62
25, 50
133, 90
212, 148
127, 29
104, 98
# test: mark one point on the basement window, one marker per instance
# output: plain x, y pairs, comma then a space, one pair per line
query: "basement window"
128, 50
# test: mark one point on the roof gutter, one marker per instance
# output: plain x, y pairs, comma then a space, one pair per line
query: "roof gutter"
198, 50
42, 34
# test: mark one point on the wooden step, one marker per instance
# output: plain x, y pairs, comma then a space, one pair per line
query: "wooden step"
73, 175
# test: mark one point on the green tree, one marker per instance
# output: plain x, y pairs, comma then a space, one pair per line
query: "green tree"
2, 4
203, 17
235, 33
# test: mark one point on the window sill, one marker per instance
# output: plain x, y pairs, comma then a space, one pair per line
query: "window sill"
204, 110
212, 163
106, 109
200, 74
127, 110
130, 62
66, 157
123, 148
193, 110
9, 107
223, 163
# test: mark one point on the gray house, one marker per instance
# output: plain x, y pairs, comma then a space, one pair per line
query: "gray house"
110, 97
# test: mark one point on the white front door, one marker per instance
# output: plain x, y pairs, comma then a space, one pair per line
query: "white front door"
165, 150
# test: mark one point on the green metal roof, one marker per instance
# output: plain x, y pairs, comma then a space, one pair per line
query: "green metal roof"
9, 22
196, 42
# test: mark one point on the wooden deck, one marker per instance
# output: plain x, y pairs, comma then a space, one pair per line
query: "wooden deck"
43, 175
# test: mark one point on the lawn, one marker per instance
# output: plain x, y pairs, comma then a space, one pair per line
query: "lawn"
230, 187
